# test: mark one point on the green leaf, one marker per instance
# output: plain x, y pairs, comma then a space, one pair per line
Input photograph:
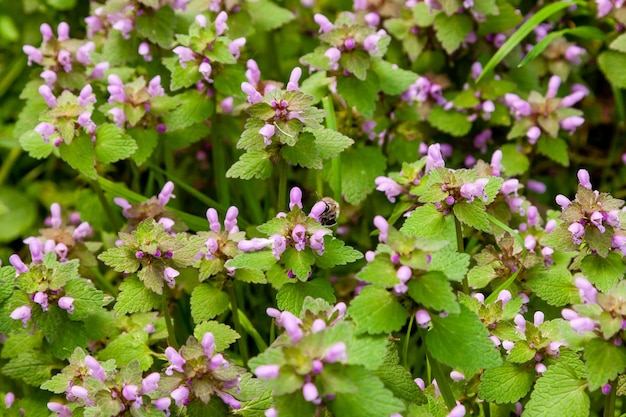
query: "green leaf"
434, 291
31, 367
514, 162
604, 273
128, 347
146, 140
252, 164
376, 310
303, 153
18, 212
120, 259
360, 94
520, 33
87, 298
380, 272
207, 302
472, 214
359, 168
80, 155
194, 108
33, 143
220, 53
157, 25
293, 405
62, 4
553, 285
452, 30
425, 221
252, 276
619, 43
228, 80
452, 263
299, 262
182, 77
112, 144
449, 121
604, 361
613, 66
336, 252
356, 61
397, 379
259, 260
554, 148
224, 335
329, 143
586, 32
521, 352
507, 383
559, 392
291, 296
266, 15
393, 80
462, 342
371, 399
135, 297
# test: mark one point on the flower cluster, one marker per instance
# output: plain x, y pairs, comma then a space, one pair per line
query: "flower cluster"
201, 372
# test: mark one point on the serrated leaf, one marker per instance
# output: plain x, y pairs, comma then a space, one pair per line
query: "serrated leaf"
207, 302
146, 141
613, 66
434, 291
182, 76
452, 30
397, 379
381, 272
604, 273
33, 143
376, 310
80, 155
266, 15
252, 164
521, 352
472, 214
224, 335
553, 285
554, 148
112, 144
250, 275
462, 342
119, 259
291, 296
514, 162
128, 347
87, 298
18, 213
559, 392
329, 143
393, 80
194, 108
449, 121
452, 263
507, 383
303, 153
135, 297
336, 252
157, 25
359, 169
31, 367
360, 94
425, 221
299, 262
371, 399
259, 260
604, 361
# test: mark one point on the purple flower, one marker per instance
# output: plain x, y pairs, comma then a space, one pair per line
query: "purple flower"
180, 395
228, 399
184, 55
381, 224
323, 22
235, 46
46, 32
16, 262
582, 324
299, 237
84, 51
208, 343
47, 95
9, 399
458, 411
150, 383
422, 317
279, 245
63, 32
60, 409
533, 134
309, 391
22, 313
49, 77
317, 241
41, 298
504, 296
220, 23
166, 193
130, 392
119, 117
253, 95
67, 304
333, 54
476, 189
97, 371
144, 51
267, 371
34, 54
176, 361
65, 59
389, 187
230, 220
169, 275
317, 210
162, 404
267, 131
571, 123
154, 87
294, 78
335, 353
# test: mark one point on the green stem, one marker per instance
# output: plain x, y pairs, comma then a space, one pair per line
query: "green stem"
487, 409
171, 336
609, 401
405, 348
442, 380
461, 248
243, 346
105, 205
249, 328
331, 123
12, 74
253, 203
8, 164
282, 186
218, 154
103, 282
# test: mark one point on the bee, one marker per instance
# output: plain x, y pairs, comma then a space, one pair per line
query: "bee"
330, 214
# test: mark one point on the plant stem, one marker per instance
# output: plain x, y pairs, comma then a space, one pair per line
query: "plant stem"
440, 377
8, 164
218, 154
461, 248
171, 336
609, 401
282, 186
405, 348
105, 205
331, 123
243, 346
103, 282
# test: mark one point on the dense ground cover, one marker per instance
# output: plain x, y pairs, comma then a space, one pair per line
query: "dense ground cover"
312, 208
